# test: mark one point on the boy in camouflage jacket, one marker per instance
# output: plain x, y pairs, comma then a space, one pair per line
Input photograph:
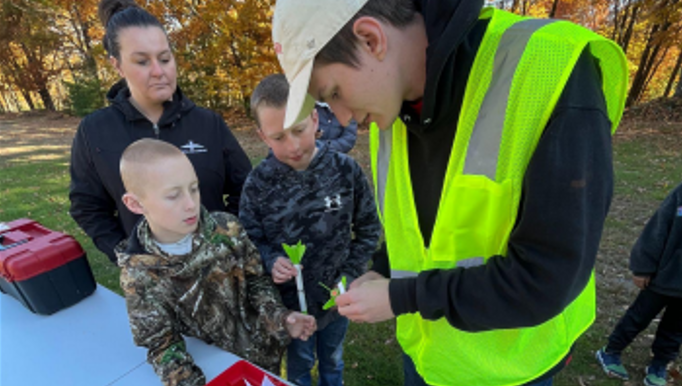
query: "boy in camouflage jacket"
322, 198
188, 272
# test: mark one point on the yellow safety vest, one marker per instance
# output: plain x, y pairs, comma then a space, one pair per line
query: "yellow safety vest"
517, 77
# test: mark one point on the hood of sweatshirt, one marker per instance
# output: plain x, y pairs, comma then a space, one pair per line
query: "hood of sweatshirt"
448, 22
173, 110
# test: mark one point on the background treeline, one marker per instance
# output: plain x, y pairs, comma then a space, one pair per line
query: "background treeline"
51, 54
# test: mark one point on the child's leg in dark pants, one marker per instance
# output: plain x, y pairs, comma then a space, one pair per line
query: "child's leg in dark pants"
666, 346
330, 352
645, 308
300, 360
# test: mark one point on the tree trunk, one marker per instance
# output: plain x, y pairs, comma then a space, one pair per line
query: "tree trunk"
15, 100
87, 50
645, 64
552, 13
678, 89
625, 43
246, 104
616, 13
28, 100
673, 74
653, 68
624, 22
90, 62
46, 98
39, 77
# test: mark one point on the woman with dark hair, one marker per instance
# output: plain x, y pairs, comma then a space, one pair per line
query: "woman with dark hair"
146, 102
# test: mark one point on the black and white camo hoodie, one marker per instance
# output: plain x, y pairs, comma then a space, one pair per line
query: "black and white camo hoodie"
329, 207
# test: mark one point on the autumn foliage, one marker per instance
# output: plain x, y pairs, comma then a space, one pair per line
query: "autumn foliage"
51, 51
223, 48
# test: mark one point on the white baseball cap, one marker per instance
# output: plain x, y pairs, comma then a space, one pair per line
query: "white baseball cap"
300, 29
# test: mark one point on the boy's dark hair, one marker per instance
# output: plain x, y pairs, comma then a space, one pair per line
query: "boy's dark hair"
343, 46
116, 15
272, 91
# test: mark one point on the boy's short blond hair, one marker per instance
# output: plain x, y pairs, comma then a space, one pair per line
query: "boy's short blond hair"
272, 91
139, 156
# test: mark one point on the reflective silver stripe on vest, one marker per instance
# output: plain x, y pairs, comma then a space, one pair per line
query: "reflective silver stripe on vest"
396, 274
484, 144
471, 262
383, 159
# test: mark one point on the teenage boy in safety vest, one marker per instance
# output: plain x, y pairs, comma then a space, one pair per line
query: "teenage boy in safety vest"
493, 183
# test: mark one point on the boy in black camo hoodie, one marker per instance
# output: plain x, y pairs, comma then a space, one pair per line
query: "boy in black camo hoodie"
187, 272
320, 197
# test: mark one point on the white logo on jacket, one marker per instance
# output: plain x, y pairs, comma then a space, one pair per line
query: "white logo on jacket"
333, 203
192, 148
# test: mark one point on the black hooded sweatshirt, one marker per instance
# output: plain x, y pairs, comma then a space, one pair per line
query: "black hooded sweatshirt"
96, 186
658, 250
567, 191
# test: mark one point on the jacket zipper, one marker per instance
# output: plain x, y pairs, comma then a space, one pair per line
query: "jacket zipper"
156, 130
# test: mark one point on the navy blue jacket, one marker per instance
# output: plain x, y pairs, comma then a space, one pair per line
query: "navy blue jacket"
658, 251
334, 135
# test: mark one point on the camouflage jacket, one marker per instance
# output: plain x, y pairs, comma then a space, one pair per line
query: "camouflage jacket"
217, 293
329, 207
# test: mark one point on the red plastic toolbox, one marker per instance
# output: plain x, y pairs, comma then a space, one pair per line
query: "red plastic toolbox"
242, 371
45, 270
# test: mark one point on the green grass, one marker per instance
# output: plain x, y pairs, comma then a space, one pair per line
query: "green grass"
39, 191
647, 167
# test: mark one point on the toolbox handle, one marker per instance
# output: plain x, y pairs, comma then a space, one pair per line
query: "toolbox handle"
5, 247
